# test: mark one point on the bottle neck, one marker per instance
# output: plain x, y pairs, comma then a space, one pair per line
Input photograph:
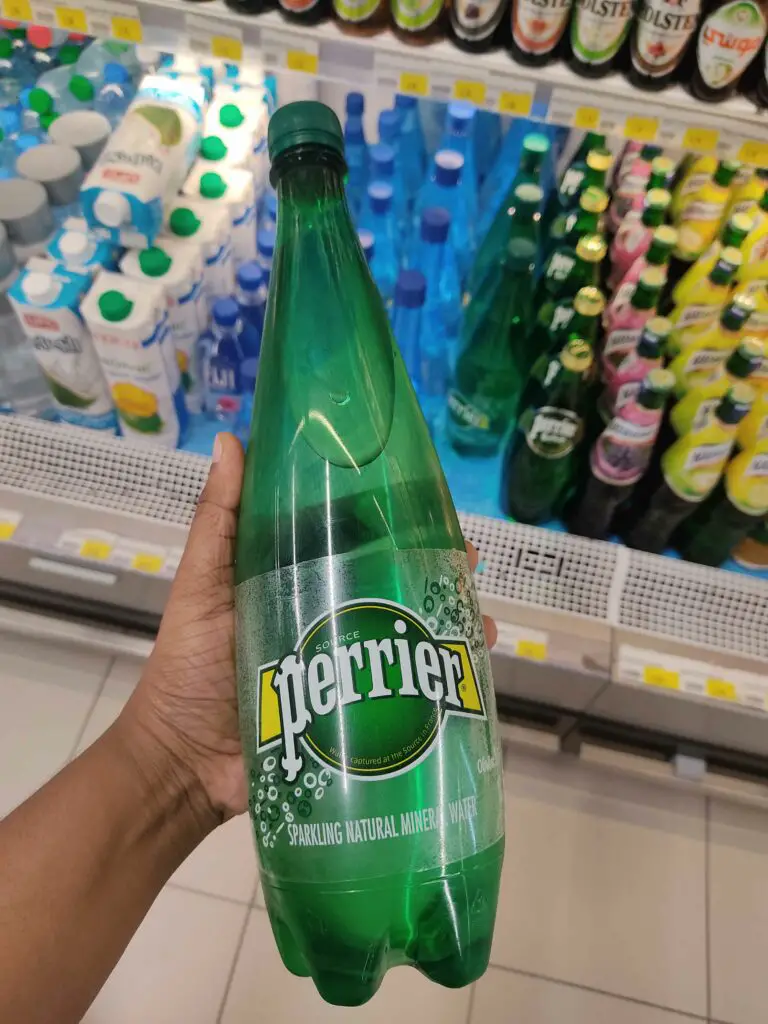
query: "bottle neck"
658, 254
644, 297
311, 179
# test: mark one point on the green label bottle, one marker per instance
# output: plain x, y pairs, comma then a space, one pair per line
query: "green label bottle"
366, 702
598, 31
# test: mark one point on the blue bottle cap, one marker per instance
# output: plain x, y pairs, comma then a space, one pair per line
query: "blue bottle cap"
411, 289
250, 276
355, 104
225, 312
461, 114
382, 159
353, 129
448, 166
270, 205
403, 102
390, 123
265, 241
435, 222
248, 370
115, 74
368, 243
380, 196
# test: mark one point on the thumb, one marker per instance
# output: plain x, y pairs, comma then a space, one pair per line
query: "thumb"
210, 550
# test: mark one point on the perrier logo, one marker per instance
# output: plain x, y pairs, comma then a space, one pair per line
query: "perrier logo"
366, 690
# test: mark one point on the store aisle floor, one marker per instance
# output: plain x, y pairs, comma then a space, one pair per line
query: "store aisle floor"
623, 902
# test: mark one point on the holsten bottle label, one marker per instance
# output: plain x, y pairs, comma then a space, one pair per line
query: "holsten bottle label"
476, 19
415, 15
663, 29
553, 433
538, 25
598, 29
355, 10
729, 39
374, 726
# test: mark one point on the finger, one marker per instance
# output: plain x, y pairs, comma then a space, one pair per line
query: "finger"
490, 630
472, 555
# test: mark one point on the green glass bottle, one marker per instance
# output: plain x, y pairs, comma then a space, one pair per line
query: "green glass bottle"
366, 703
586, 219
570, 268
589, 166
577, 316
495, 356
540, 459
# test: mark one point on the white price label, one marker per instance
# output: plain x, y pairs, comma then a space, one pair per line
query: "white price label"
211, 40
9, 523
293, 53
94, 545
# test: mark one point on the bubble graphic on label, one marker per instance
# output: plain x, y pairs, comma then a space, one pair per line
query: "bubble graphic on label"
310, 780
272, 793
304, 808
269, 764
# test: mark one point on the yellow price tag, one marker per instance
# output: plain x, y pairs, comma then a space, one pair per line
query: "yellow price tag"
516, 103
227, 48
701, 140
99, 550
7, 529
414, 84
472, 91
641, 129
300, 60
666, 678
72, 19
143, 562
533, 649
721, 689
587, 119
756, 153
18, 10
127, 30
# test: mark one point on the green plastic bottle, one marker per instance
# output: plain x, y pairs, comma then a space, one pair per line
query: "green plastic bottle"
366, 702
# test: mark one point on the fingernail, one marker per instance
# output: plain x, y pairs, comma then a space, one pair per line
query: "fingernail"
218, 449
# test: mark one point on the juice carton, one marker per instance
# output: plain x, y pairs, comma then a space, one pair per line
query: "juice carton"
178, 267
74, 248
235, 190
46, 304
146, 160
128, 320
210, 226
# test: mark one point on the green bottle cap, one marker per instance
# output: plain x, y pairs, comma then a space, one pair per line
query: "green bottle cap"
646, 293
589, 301
114, 306
154, 262
656, 388
576, 356
6, 48
662, 243
183, 222
231, 116
736, 229
650, 151
304, 122
46, 120
745, 358
212, 186
662, 169
727, 264
81, 88
212, 148
69, 54
535, 142
650, 344
17, 33
726, 172
40, 101
737, 312
735, 405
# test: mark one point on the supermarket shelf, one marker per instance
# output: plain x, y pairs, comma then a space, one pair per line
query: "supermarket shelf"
438, 70
585, 626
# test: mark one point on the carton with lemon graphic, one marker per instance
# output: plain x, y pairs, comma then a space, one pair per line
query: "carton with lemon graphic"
128, 320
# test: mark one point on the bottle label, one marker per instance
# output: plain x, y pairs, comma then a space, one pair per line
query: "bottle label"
298, 6
571, 183
476, 19
355, 10
466, 413
707, 456
701, 211
538, 25
368, 725
663, 29
692, 473
553, 433
729, 39
559, 266
619, 342
598, 29
698, 314
704, 360
623, 450
746, 483
415, 15
625, 393
705, 409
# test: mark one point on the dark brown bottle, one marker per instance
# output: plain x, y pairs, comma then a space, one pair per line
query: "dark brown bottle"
729, 39
537, 30
477, 25
419, 21
308, 12
660, 38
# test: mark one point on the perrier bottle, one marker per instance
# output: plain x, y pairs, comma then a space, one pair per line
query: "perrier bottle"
366, 703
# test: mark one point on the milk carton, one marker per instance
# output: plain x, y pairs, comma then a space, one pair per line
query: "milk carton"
242, 112
128, 320
178, 267
146, 160
46, 305
74, 248
209, 225
235, 189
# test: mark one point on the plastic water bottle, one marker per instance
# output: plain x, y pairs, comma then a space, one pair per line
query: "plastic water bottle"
252, 298
434, 257
459, 135
11, 78
8, 154
265, 249
380, 221
487, 138
115, 95
222, 362
390, 125
250, 369
59, 92
382, 168
42, 48
413, 153
95, 57
441, 189
356, 155
407, 311
268, 215
367, 243
355, 104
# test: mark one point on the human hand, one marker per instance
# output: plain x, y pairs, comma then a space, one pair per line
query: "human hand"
184, 710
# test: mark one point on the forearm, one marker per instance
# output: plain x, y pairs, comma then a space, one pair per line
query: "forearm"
80, 864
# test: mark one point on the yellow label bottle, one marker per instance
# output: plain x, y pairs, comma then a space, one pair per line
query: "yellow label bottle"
758, 292
693, 410
702, 356
698, 171
701, 303
699, 220
733, 234
753, 429
746, 191
754, 248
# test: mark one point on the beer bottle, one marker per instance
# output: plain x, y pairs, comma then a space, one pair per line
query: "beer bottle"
307, 12
366, 704
730, 35
477, 25
660, 38
620, 457
539, 461
361, 17
538, 30
419, 22
494, 359
690, 469
598, 32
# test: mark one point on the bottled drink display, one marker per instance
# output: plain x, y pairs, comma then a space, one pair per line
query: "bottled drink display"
660, 38
729, 38
598, 32
477, 24
353, 686
538, 30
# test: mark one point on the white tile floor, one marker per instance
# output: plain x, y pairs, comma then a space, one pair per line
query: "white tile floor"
622, 902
